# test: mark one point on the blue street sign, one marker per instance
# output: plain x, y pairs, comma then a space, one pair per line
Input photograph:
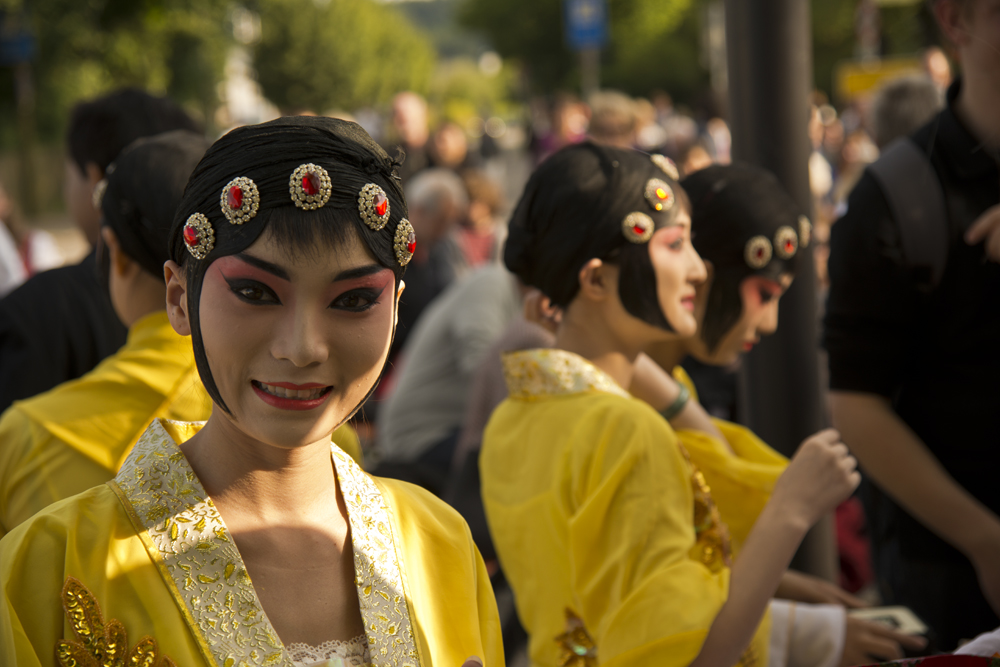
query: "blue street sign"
586, 23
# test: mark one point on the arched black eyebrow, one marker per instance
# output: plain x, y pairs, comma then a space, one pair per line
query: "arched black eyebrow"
275, 270
263, 265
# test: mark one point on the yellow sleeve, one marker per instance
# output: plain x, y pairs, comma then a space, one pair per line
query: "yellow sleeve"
681, 375
447, 587
630, 537
347, 439
88, 537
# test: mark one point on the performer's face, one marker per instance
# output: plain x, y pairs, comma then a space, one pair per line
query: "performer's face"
678, 270
758, 318
295, 341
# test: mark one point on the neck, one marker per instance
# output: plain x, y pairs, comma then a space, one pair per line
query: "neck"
976, 105
259, 482
668, 354
593, 340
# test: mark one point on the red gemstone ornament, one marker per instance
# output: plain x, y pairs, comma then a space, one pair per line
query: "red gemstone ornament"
199, 237
638, 227
786, 242
381, 203
310, 183
239, 200
190, 235
757, 252
373, 205
639, 231
659, 195
404, 242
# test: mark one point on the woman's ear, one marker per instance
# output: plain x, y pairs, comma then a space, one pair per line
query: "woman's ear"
177, 302
594, 280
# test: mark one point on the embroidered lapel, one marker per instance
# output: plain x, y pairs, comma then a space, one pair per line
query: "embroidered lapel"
377, 571
531, 374
198, 559
186, 538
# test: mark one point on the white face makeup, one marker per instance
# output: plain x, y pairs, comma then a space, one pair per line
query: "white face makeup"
678, 270
758, 318
296, 343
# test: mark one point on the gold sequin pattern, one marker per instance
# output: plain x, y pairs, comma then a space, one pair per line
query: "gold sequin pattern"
531, 374
198, 553
98, 644
376, 568
712, 547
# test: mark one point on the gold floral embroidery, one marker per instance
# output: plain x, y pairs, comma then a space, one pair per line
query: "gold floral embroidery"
100, 645
376, 568
712, 547
196, 554
547, 372
576, 648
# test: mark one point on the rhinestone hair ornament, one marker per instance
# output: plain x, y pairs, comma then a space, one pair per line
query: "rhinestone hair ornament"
240, 200
405, 242
666, 165
786, 242
805, 231
638, 227
373, 205
199, 237
659, 195
757, 252
310, 186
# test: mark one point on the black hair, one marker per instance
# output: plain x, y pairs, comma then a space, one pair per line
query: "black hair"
143, 191
732, 207
573, 209
268, 154
100, 129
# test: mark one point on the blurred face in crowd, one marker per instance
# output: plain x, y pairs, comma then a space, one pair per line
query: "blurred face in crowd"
78, 192
973, 26
409, 117
450, 146
758, 318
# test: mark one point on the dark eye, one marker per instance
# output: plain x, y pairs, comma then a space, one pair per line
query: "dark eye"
356, 300
766, 295
253, 292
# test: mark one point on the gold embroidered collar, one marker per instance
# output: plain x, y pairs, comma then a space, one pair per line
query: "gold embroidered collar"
198, 559
551, 372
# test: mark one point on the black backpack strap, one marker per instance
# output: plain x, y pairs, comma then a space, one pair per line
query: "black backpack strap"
912, 189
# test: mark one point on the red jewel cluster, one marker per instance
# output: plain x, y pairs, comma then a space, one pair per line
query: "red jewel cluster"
411, 243
235, 197
310, 183
190, 235
381, 202
789, 247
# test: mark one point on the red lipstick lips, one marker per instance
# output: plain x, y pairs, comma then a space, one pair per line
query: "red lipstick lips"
288, 403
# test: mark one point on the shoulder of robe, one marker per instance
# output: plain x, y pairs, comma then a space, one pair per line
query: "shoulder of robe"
416, 507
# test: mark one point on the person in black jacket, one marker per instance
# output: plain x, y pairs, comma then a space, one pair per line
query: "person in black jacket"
60, 323
914, 364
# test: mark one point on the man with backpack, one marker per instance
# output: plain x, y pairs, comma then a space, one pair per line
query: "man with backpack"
911, 327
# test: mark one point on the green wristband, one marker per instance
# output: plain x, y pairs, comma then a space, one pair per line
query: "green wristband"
675, 408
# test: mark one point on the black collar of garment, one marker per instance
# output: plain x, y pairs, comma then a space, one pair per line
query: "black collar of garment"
957, 145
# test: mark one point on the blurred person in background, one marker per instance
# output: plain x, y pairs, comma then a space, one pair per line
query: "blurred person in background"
901, 106
438, 204
412, 130
480, 235
75, 436
23, 252
450, 149
568, 121
937, 67
613, 120
911, 321
60, 323
649, 135
418, 425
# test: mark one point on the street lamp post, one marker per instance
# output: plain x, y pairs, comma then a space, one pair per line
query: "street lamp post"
769, 54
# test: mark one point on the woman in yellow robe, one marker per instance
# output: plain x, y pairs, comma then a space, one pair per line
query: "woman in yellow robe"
75, 436
249, 540
605, 529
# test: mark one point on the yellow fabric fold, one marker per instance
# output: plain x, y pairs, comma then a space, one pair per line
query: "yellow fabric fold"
591, 507
93, 538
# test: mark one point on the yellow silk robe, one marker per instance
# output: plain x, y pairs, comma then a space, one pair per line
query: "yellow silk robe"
150, 550
742, 479
75, 436
606, 533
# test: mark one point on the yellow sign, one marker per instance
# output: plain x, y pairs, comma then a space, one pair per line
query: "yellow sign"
855, 78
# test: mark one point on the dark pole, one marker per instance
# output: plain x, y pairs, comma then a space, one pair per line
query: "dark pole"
769, 47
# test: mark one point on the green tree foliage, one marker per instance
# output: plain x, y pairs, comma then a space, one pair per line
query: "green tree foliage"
88, 47
338, 54
653, 43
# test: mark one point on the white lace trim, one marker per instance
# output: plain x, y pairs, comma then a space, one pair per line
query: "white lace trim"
352, 653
